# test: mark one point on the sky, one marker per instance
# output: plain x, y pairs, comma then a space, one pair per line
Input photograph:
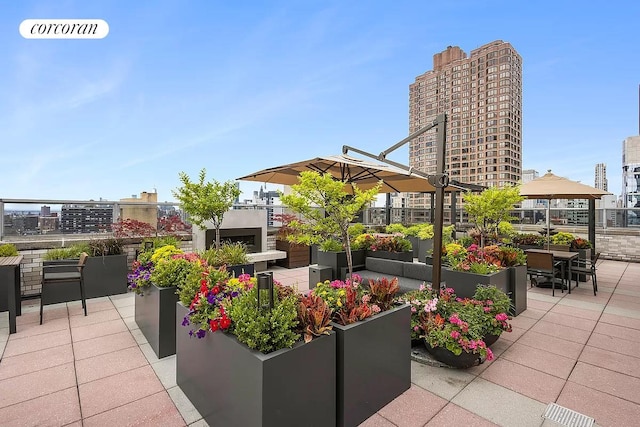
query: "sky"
236, 87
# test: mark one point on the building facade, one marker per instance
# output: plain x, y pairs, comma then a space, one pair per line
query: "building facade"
482, 96
631, 172
76, 219
142, 213
601, 177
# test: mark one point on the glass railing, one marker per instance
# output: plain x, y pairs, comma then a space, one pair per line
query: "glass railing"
29, 219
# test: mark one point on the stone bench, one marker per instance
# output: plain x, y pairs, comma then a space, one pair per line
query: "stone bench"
260, 259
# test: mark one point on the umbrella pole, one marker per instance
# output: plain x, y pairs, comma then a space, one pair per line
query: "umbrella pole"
548, 225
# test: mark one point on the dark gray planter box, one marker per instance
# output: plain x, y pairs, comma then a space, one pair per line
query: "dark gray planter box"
237, 270
415, 242
232, 385
338, 261
465, 283
313, 254
156, 317
103, 276
373, 364
397, 256
425, 247
518, 288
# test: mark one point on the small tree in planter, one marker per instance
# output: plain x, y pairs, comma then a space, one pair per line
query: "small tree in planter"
491, 207
206, 201
326, 208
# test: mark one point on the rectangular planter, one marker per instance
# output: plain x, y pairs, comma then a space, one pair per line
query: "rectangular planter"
232, 385
297, 255
373, 364
465, 283
396, 256
415, 243
338, 261
425, 247
103, 276
518, 288
156, 316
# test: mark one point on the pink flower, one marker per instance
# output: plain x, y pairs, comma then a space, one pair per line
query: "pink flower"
413, 309
489, 354
501, 317
366, 298
244, 278
455, 335
422, 287
375, 309
431, 305
416, 328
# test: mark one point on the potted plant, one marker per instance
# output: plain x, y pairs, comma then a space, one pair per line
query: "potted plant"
528, 240
327, 210
261, 354
368, 322
206, 201
466, 268
8, 276
391, 247
495, 306
421, 238
298, 254
490, 207
231, 255
561, 241
452, 329
105, 272
155, 308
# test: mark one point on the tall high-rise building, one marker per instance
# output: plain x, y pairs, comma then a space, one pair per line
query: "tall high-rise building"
86, 219
482, 96
601, 177
631, 172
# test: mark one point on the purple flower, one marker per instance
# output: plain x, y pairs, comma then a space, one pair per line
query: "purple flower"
201, 333
185, 321
211, 298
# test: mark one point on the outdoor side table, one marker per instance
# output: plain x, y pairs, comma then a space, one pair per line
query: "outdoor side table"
10, 286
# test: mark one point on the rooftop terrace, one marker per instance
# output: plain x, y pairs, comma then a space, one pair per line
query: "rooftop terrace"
577, 350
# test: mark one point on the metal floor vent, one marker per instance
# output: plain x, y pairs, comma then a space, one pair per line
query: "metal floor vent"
567, 417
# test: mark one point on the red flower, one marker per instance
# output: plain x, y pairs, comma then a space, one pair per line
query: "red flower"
215, 289
225, 322
214, 325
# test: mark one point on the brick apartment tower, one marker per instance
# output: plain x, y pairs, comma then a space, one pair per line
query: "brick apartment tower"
482, 96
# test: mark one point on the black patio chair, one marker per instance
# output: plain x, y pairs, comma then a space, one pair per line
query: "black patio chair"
588, 268
543, 264
62, 274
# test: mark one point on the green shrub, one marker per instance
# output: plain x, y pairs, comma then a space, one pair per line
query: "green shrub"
104, 247
362, 242
172, 272
262, 329
8, 249
466, 241
396, 228
356, 230
331, 245
562, 238
391, 244
70, 252
228, 254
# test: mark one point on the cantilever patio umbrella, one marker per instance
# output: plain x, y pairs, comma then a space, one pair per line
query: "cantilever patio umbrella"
351, 170
550, 186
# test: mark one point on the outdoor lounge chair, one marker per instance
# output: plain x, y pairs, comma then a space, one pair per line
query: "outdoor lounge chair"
62, 274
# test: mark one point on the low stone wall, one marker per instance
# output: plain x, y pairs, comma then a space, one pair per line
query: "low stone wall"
34, 252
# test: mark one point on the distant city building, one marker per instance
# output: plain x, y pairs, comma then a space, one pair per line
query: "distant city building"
268, 198
45, 210
76, 219
601, 177
143, 213
482, 95
631, 172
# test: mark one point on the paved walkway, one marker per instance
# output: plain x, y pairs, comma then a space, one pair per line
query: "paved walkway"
576, 350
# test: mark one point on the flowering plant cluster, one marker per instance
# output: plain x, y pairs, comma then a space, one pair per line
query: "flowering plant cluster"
206, 310
459, 325
350, 301
171, 273
580, 243
391, 244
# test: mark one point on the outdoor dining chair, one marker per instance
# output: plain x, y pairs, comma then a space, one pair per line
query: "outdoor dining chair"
543, 264
62, 274
588, 268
